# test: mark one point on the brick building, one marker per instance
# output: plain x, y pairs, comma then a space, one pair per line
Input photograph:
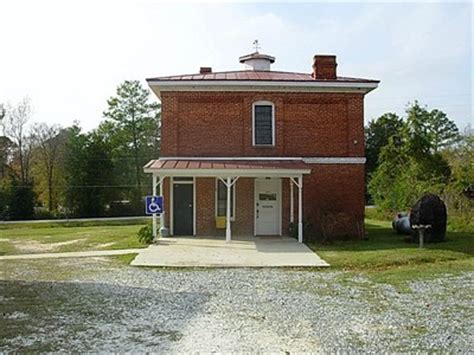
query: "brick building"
273, 150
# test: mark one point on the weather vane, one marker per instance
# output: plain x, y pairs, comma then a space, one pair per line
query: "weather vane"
256, 45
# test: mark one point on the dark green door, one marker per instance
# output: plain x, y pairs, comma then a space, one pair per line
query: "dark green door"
183, 209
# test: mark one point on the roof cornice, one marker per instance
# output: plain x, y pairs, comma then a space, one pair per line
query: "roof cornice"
261, 85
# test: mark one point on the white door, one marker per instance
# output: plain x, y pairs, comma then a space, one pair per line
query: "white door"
267, 206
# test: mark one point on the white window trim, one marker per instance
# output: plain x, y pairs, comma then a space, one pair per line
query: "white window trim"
234, 187
266, 103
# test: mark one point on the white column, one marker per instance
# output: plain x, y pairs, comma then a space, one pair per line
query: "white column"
162, 215
154, 214
300, 209
227, 229
292, 203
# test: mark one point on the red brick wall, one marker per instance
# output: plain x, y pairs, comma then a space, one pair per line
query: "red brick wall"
220, 124
217, 124
206, 207
334, 191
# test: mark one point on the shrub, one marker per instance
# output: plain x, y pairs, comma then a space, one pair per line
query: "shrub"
43, 213
145, 234
307, 230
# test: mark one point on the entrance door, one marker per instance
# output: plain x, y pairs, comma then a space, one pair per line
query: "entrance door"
183, 209
267, 206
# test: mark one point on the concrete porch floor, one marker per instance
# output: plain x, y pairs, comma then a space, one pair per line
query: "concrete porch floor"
240, 252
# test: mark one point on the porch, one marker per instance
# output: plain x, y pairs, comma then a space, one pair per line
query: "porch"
240, 252
252, 196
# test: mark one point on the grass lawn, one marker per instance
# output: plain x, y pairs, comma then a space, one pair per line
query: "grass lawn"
63, 237
386, 257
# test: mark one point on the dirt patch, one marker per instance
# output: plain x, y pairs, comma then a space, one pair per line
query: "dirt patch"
34, 246
105, 245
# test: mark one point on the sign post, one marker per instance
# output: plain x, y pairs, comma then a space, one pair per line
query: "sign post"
421, 232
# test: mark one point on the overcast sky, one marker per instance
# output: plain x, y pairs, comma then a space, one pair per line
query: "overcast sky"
69, 56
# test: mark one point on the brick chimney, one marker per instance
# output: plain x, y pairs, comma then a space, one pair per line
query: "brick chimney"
324, 67
205, 70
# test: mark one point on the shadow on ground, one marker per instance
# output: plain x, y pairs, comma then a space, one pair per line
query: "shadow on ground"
84, 317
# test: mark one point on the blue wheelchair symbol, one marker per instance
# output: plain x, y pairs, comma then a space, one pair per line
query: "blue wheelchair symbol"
153, 204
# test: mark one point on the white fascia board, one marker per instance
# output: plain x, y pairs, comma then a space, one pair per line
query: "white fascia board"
307, 160
335, 160
229, 85
231, 158
228, 172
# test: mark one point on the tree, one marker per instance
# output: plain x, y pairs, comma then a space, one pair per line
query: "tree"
377, 135
17, 200
400, 179
50, 140
6, 146
461, 160
21, 201
132, 128
429, 131
411, 164
15, 127
89, 174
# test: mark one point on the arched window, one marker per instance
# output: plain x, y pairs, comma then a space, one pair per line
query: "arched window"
263, 123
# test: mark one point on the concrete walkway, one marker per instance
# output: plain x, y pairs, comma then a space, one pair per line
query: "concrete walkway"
215, 252
207, 252
73, 254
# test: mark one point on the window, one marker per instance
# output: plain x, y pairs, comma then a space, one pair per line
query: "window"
221, 200
267, 197
263, 123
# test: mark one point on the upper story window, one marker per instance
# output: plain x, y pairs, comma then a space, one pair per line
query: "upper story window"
263, 122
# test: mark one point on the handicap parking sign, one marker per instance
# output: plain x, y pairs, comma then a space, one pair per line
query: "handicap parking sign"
154, 204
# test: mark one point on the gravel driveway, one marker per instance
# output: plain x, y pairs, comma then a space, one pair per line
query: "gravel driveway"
94, 304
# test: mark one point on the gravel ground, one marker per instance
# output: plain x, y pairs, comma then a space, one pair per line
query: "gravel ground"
94, 304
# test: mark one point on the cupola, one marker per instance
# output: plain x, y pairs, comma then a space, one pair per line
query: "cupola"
257, 60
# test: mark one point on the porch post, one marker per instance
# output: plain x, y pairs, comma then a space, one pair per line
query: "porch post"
292, 203
154, 214
162, 215
227, 230
300, 209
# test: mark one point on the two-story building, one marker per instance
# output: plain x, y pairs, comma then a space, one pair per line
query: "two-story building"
270, 150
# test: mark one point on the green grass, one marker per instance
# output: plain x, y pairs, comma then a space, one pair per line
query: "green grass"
76, 223
386, 257
80, 236
124, 259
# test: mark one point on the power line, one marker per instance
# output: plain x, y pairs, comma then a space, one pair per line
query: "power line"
419, 97
443, 105
75, 186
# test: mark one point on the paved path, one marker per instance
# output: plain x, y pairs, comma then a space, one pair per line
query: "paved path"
69, 220
207, 252
73, 254
215, 252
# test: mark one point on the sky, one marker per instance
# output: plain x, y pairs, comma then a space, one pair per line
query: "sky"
69, 56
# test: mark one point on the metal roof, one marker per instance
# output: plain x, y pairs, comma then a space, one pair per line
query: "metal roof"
253, 75
214, 167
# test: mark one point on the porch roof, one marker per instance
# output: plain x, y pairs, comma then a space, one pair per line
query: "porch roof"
225, 167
